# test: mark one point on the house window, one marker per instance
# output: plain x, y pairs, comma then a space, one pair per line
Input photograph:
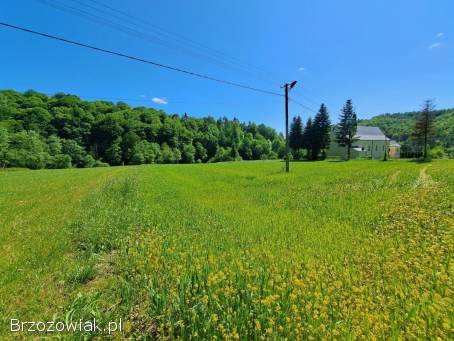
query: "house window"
383, 148
376, 147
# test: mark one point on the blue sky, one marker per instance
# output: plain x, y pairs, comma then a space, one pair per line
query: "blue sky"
387, 56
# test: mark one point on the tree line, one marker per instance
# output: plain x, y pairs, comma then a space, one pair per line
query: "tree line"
61, 131
316, 136
312, 140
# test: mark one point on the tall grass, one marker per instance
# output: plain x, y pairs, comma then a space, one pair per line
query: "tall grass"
358, 250
106, 218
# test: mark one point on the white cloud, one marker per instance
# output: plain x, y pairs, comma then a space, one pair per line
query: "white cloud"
439, 35
434, 46
158, 100
142, 96
301, 68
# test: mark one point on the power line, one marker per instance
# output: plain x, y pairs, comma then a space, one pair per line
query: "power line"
195, 74
121, 27
302, 105
119, 54
140, 28
233, 60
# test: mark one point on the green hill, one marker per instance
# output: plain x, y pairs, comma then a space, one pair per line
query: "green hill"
60, 131
399, 126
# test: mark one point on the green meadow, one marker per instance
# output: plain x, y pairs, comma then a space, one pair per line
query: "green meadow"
240, 250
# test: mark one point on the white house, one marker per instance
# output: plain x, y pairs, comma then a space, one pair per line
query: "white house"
371, 143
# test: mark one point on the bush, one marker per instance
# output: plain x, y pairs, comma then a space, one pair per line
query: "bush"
60, 161
4, 146
145, 152
137, 158
222, 154
88, 161
188, 154
99, 163
169, 155
298, 154
26, 149
75, 151
437, 152
450, 152
273, 156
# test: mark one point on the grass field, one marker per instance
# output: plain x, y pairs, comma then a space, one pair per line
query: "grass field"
341, 250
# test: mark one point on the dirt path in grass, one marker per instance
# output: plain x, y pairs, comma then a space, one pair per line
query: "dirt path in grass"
35, 239
425, 180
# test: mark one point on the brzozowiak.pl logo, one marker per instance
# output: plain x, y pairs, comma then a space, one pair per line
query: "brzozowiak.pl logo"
80, 326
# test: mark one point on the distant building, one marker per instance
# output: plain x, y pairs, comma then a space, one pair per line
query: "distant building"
394, 149
371, 143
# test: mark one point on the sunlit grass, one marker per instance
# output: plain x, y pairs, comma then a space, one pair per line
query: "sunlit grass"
244, 251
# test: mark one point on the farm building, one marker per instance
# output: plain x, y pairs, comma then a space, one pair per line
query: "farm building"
370, 143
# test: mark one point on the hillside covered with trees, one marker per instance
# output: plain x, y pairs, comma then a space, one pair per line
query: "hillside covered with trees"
399, 126
60, 131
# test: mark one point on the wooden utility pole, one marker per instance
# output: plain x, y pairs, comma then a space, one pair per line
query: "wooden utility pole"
287, 88
287, 149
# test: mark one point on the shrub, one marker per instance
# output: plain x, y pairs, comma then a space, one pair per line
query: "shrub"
145, 152
437, 152
60, 161
99, 163
27, 150
450, 152
188, 154
298, 154
75, 151
88, 161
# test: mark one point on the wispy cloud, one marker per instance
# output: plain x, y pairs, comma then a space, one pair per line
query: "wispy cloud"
439, 35
301, 68
159, 100
142, 96
435, 46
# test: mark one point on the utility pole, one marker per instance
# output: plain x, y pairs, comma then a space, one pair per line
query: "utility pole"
287, 88
287, 156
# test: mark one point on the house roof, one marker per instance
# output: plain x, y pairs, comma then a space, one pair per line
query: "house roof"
370, 134
393, 143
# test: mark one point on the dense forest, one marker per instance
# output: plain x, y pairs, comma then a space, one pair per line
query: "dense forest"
399, 127
61, 131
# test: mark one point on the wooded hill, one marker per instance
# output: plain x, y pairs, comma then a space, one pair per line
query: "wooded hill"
60, 131
399, 127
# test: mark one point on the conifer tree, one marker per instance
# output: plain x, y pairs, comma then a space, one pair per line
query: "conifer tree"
308, 137
424, 127
296, 134
321, 129
346, 129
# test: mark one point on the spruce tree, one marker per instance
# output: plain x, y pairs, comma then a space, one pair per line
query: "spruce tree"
424, 127
321, 130
346, 129
308, 137
296, 134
